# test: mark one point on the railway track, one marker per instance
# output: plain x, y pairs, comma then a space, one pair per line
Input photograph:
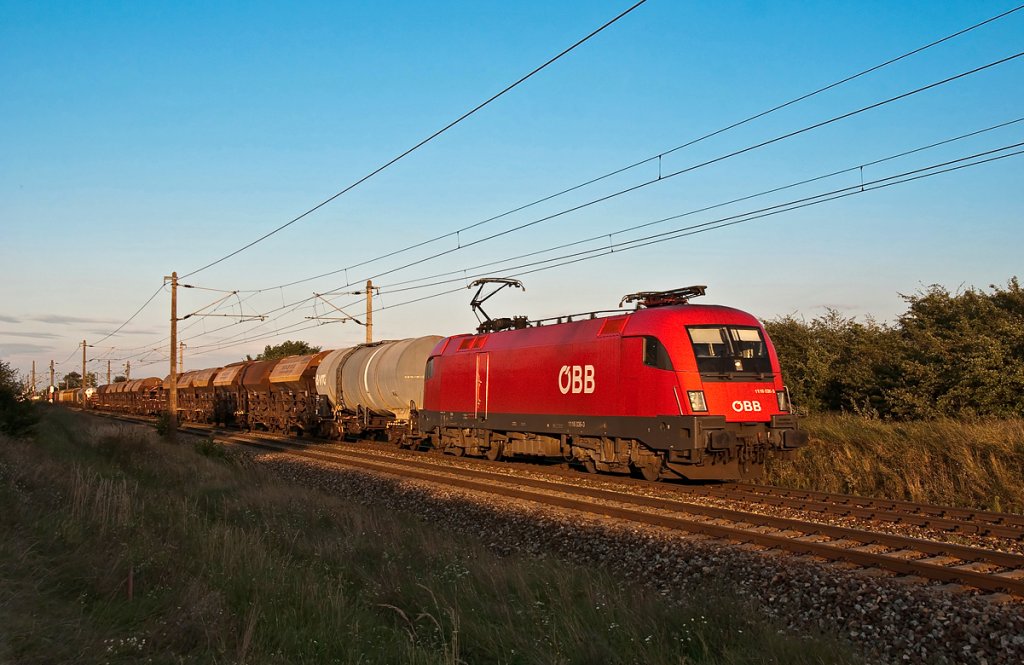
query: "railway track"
940, 518
985, 569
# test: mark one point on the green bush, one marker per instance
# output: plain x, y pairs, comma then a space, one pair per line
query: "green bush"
949, 355
163, 424
210, 448
16, 415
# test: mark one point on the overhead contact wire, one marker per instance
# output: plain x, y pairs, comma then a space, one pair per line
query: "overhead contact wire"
880, 183
703, 164
421, 143
391, 287
658, 156
294, 305
751, 216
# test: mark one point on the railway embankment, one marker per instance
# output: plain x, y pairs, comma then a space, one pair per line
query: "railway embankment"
119, 547
975, 463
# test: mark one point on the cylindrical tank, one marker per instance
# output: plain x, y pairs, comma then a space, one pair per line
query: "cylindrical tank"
381, 378
328, 374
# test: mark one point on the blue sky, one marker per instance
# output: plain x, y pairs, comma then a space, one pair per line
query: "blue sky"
141, 138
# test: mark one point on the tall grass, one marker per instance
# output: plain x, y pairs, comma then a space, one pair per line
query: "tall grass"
977, 463
125, 548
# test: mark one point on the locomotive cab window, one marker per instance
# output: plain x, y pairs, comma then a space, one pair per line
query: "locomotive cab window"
428, 372
655, 354
729, 350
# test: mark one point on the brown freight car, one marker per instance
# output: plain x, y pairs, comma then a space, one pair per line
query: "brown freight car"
203, 409
257, 406
293, 396
228, 394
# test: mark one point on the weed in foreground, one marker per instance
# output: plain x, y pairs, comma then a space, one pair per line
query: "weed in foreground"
171, 556
210, 448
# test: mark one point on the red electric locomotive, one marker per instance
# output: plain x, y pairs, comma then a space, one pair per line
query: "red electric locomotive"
668, 388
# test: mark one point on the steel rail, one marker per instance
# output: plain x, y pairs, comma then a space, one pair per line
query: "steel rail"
940, 518
899, 560
1007, 525
514, 487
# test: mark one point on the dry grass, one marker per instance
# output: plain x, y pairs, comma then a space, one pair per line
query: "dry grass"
124, 548
978, 464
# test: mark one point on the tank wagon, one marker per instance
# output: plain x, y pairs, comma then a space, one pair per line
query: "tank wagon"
374, 388
74, 395
666, 389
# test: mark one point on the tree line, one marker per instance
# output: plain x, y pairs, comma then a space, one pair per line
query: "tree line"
951, 354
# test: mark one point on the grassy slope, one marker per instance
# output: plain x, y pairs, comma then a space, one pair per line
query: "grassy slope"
227, 564
978, 464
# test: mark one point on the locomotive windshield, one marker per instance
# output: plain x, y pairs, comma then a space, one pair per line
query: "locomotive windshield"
727, 351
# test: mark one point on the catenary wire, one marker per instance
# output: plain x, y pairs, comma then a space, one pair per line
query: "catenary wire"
699, 165
694, 167
652, 158
825, 88
835, 84
391, 288
132, 317
880, 183
737, 218
397, 287
854, 190
619, 232
423, 142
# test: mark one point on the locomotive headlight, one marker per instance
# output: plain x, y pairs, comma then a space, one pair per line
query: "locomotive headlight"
697, 402
783, 398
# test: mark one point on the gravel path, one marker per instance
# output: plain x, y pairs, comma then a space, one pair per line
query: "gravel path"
887, 619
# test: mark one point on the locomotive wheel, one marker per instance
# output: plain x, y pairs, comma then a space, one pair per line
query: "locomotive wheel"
590, 465
494, 452
650, 471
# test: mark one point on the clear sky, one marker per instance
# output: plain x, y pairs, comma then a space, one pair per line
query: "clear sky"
140, 138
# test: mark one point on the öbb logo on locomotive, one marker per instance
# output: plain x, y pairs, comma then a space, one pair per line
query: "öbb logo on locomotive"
576, 379
693, 391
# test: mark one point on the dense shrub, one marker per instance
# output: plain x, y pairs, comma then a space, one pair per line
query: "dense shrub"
949, 355
163, 423
16, 415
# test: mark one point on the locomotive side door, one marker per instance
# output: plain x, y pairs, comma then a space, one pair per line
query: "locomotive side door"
482, 386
